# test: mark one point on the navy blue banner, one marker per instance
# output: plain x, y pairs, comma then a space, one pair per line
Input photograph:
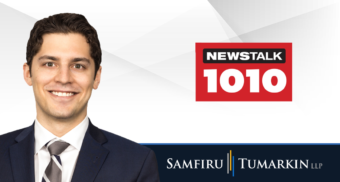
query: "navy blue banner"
247, 162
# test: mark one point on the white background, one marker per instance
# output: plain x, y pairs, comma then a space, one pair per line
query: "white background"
147, 92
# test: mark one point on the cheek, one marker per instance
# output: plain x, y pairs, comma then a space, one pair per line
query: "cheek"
85, 82
41, 75
40, 80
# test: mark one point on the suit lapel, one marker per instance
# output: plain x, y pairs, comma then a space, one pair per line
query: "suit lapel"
91, 156
22, 156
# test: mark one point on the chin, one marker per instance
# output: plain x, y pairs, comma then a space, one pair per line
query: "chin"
62, 114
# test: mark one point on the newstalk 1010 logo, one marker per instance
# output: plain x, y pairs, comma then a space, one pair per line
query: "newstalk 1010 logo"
243, 71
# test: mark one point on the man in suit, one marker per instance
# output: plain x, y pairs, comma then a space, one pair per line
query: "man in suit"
62, 145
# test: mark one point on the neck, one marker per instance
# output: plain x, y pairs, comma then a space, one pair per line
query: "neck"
60, 126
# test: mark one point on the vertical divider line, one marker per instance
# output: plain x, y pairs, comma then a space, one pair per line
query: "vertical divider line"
227, 163
230, 161
233, 166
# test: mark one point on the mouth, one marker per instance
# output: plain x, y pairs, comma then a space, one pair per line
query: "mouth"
63, 93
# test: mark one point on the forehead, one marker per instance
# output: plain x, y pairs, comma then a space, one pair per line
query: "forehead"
68, 45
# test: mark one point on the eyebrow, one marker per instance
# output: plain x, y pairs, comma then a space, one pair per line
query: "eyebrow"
48, 57
81, 59
56, 59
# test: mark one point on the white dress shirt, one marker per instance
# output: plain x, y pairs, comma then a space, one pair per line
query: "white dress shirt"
68, 157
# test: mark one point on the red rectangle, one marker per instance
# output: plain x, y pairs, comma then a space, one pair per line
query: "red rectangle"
221, 79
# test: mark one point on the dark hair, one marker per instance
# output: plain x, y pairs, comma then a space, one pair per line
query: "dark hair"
63, 23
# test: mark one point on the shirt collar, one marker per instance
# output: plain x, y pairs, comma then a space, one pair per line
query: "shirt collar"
74, 137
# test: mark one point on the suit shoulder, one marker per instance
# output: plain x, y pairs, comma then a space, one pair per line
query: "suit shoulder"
117, 142
10, 135
8, 139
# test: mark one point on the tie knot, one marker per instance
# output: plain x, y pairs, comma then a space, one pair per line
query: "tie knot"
57, 147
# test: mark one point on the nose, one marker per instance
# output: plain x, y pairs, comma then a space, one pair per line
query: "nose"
64, 75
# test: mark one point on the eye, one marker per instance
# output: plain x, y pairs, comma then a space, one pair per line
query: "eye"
78, 66
49, 64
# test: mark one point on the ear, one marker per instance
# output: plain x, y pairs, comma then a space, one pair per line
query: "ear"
97, 79
27, 74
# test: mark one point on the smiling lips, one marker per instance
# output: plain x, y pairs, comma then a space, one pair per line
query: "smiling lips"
63, 94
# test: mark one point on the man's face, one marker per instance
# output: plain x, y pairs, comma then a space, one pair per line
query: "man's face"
62, 76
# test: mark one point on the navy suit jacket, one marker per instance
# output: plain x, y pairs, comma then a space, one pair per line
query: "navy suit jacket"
104, 157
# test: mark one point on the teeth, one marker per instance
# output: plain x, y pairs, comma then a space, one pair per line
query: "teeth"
63, 94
